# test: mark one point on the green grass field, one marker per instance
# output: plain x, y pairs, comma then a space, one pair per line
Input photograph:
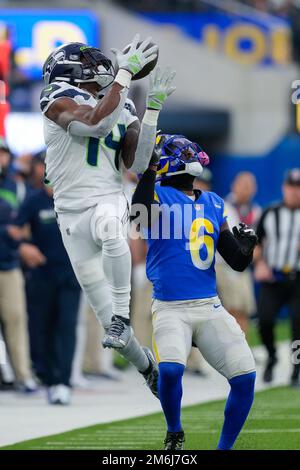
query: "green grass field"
274, 423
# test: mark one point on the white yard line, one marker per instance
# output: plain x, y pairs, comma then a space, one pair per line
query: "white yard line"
28, 417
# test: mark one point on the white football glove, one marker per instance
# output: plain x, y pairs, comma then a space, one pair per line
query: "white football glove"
137, 57
160, 87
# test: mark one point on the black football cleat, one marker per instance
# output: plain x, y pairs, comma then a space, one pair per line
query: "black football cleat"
174, 440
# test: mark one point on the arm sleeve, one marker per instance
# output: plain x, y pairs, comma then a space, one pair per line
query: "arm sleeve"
144, 200
146, 141
229, 248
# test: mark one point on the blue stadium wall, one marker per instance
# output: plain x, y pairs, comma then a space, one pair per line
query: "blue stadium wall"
268, 169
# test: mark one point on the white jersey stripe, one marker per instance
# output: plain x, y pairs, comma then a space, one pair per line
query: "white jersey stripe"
285, 218
271, 246
294, 242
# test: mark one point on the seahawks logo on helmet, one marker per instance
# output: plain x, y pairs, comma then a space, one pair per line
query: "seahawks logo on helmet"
179, 155
77, 63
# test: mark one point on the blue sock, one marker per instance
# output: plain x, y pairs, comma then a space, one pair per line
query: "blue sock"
237, 408
170, 393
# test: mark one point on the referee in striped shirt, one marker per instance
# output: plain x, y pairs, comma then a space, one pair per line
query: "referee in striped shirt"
277, 267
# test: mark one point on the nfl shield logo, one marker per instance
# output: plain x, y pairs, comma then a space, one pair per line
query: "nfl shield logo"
197, 207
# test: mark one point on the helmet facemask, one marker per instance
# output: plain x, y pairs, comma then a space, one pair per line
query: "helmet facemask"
180, 156
96, 68
81, 64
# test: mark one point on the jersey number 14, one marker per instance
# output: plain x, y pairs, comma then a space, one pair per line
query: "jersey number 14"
112, 141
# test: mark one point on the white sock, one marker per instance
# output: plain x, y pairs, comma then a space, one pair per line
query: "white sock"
134, 353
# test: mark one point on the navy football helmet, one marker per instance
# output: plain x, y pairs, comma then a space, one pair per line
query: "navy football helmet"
78, 63
178, 155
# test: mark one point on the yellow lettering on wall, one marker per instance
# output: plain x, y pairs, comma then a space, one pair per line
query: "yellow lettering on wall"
241, 32
46, 34
281, 46
211, 36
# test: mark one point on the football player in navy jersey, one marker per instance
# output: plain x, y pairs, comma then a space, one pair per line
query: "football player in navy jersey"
184, 229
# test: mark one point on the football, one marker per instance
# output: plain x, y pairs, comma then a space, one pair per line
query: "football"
148, 67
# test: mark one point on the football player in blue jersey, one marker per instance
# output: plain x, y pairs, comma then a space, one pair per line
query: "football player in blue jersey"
184, 229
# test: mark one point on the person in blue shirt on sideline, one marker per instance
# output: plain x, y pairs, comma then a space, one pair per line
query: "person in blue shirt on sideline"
184, 228
53, 293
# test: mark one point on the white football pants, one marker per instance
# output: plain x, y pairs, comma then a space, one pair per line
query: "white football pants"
206, 323
99, 253
96, 243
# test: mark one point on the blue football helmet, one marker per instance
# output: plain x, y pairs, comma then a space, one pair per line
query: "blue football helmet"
178, 155
78, 63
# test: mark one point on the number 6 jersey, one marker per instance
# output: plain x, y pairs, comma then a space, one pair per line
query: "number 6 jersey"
80, 169
182, 244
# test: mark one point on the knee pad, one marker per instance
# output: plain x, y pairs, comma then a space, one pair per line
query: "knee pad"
110, 232
109, 228
239, 360
89, 271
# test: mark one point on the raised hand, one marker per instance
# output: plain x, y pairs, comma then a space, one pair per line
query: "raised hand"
135, 59
160, 87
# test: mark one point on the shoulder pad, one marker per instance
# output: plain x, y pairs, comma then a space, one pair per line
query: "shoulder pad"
59, 90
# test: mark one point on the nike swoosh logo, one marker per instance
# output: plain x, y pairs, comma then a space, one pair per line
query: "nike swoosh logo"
217, 305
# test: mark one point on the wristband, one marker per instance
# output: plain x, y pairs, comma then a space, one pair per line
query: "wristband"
151, 117
123, 77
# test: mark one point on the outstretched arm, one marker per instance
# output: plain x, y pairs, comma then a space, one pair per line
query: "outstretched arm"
144, 210
160, 87
237, 248
82, 120
86, 121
